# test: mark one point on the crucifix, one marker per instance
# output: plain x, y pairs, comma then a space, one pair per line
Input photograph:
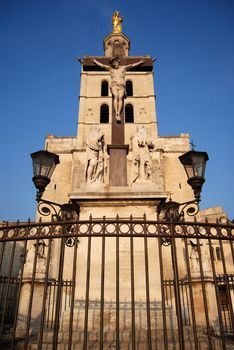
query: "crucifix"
117, 150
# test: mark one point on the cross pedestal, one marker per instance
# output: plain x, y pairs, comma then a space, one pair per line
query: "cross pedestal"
118, 152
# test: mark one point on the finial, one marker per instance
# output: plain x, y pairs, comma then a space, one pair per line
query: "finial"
117, 22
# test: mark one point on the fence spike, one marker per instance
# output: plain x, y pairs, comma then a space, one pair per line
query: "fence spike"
144, 216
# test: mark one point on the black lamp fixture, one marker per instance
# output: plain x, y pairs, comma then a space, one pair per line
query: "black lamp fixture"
44, 164
194, 163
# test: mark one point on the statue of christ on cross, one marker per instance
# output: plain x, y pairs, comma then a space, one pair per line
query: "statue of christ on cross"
117, 85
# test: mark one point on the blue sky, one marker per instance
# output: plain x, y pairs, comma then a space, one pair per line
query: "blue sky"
39, 81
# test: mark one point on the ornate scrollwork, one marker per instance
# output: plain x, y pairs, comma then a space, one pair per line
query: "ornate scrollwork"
47, 209
166, 241
58, 212
164, 230
190, 209
175, 212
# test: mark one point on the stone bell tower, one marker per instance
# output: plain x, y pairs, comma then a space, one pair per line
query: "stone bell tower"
117, 164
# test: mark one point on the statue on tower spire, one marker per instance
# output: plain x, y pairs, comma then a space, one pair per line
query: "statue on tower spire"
117, 22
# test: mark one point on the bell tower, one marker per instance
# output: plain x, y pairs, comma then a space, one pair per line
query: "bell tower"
118, 164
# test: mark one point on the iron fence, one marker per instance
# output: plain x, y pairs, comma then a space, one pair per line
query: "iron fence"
117, 284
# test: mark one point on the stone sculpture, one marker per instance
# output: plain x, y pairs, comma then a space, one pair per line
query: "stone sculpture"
142, 146
195, 265
40, 259
95, 158
117, 85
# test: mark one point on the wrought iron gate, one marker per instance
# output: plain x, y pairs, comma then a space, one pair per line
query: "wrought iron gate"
117, 284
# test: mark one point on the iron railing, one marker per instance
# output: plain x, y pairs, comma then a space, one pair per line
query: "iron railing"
117, 283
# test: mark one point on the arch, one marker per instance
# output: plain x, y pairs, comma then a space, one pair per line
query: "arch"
104, 88
129, 88
104, 113
129, 113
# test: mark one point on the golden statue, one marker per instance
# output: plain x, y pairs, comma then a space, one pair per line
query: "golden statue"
117, 22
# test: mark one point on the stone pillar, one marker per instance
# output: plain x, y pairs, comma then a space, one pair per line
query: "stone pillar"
36, 311
211, 303
118, 152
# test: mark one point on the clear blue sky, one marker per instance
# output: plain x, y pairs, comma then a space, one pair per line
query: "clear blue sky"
193, 41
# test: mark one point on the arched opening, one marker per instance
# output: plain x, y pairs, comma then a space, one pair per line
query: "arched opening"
104, 113
104, 88
118, 48
129, 113
129, 88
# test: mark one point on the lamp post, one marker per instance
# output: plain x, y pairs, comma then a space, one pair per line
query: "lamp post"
194, 163
44, 164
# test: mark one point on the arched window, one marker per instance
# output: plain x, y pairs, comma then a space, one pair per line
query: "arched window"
129, 113
129, 88
104, 113
104, 88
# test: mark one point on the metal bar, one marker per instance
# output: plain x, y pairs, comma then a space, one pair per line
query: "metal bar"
48, 308
53, 232
187, 303
31, 296
163, 294
117, 293
191, 295
54, 285
183, 303
102, 293
87, 295
170, 292
206, 311
132, 292
227, 285
73, 293
147, 294
59, 293
7, 288
18, 296
232, 250
2, 254
177, 292
217, 295
43, 309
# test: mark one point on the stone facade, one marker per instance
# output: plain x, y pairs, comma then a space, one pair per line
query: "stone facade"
154, 174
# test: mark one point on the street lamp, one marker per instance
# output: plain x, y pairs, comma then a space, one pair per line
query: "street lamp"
44, 164
194, 164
